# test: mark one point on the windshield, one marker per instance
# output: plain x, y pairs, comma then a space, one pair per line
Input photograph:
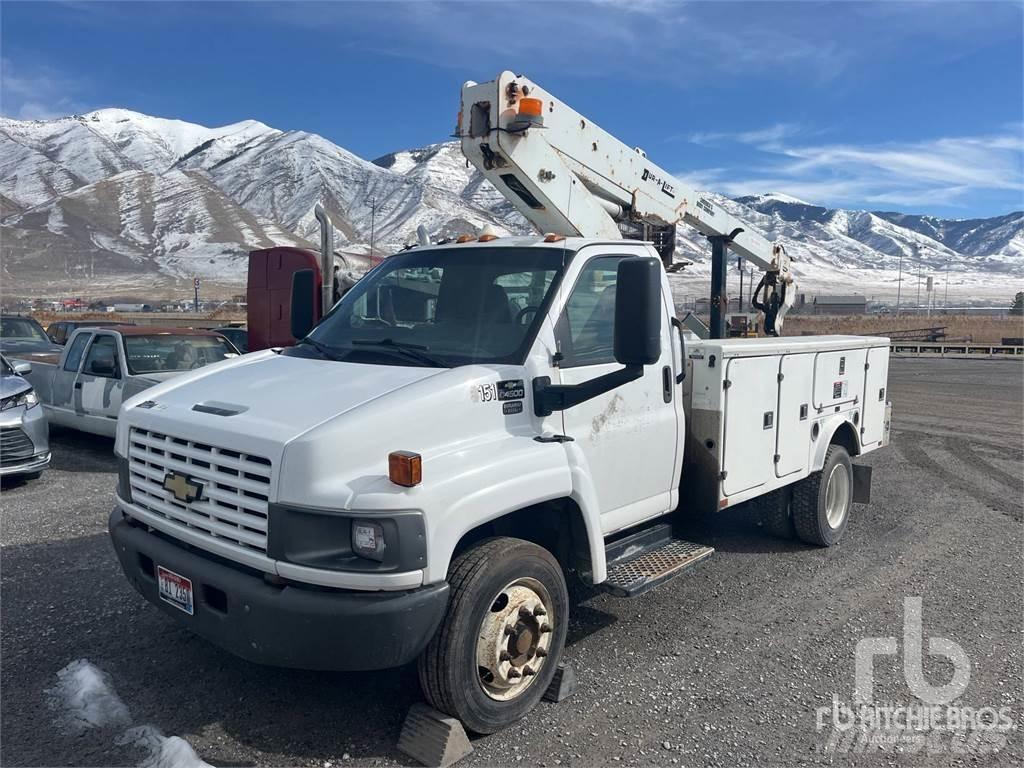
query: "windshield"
164, 352
22, 328
443, 308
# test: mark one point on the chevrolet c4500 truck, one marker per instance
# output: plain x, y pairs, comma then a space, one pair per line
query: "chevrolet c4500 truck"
477, 421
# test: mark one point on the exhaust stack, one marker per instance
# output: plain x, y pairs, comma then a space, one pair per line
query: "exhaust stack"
326, 257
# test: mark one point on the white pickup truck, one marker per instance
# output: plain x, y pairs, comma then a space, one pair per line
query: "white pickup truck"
84, 386
468, 425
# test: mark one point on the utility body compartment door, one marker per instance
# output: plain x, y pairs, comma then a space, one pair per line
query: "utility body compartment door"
793, 438
875, 377
838, 378
750, 402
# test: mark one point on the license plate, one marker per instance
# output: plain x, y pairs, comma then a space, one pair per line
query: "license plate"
175, 589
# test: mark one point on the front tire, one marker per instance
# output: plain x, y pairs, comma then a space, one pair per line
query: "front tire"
822, 501
496, 650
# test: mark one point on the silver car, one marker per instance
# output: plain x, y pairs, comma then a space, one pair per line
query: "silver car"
24, 434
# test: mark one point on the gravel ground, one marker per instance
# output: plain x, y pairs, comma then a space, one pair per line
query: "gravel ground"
724, 666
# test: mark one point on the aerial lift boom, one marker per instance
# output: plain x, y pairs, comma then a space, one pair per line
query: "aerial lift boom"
568, 176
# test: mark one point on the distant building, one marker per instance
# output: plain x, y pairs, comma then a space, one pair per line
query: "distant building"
840, 305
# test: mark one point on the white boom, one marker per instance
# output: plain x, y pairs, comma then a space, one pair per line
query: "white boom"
568, 176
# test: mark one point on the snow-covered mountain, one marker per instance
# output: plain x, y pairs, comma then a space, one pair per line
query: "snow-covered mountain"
117, 195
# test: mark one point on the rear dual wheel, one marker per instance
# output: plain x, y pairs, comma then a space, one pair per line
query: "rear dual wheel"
815, 509
500, 641
821, 502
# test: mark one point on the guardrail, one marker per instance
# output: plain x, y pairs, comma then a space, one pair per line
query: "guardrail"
923, 349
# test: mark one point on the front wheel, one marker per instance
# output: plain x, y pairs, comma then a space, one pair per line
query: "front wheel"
500, 641
821, 501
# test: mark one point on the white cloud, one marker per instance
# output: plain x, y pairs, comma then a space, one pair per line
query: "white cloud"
947, 171
40, 94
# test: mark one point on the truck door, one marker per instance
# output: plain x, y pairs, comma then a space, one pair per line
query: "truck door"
628, 436
269, 294
100, 385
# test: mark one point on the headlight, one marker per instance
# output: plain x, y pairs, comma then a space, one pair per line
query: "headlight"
28, 399
368, 539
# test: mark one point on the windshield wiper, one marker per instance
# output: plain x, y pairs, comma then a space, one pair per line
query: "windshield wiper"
323, 349
412, 351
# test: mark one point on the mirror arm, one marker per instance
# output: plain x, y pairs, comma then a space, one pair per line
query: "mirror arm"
548, 397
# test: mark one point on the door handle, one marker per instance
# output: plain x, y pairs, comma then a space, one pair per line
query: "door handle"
667, 380
78, 385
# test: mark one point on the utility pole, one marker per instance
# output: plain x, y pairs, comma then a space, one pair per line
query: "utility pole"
739, 268
195, 284
373, 217
918, 311
899, 285
945, 300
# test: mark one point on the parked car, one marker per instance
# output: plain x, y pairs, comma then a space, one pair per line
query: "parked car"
24, 434
61, 330
21, 334
237, 335
100, 368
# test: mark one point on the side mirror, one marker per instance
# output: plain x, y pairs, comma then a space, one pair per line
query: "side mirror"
22, 368
102, 368
303, 287
638, 312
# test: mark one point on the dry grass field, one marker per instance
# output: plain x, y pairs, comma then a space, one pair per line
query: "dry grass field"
976, 328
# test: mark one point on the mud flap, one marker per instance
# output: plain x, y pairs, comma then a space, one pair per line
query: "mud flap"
861, 484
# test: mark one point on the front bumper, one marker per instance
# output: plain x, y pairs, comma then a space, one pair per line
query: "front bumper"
285, 625
24, 441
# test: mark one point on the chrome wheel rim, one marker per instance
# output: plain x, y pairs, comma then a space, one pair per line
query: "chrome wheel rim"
837, 495
514, 639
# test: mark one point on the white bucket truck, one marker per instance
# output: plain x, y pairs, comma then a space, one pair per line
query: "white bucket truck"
476, 422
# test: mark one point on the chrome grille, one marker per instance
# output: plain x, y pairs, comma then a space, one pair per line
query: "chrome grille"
235, 487
15, 445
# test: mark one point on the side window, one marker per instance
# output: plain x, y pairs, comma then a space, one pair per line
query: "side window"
102, 357
586, 330
74, 357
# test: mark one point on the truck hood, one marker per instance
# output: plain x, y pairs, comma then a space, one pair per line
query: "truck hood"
327, 427
259, 402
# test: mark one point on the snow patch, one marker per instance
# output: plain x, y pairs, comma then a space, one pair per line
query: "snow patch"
84, 698
162, 751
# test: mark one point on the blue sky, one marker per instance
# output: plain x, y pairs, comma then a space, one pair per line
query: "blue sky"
894, 106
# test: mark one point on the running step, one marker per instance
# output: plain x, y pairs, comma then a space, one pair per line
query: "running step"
645, 560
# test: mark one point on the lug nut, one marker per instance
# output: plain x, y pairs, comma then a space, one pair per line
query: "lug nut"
539, 611
509, 631
505, 656
541, 653
524, 613
545, 628
514, 674
528, 672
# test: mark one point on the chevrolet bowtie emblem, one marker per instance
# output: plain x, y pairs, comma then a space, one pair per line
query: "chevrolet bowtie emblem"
184, 489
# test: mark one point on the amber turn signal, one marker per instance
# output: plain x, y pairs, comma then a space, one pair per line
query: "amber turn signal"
405, 468
463, 238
